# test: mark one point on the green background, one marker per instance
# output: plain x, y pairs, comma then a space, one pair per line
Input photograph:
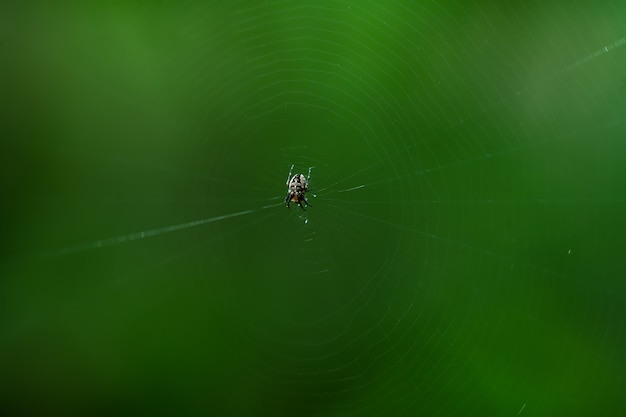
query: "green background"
463, 255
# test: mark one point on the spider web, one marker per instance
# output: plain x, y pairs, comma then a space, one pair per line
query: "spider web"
462, 254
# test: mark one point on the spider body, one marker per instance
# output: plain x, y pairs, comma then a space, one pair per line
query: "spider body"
297, 186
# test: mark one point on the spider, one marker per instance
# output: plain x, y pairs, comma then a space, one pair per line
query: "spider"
297, 186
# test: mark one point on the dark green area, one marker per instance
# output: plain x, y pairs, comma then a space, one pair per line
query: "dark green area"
463, 254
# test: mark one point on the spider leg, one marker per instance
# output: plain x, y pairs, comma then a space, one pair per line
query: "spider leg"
308, 177
305, 200
289, 176
299, 202
288, 199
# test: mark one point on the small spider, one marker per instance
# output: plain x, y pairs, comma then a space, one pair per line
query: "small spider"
297, 186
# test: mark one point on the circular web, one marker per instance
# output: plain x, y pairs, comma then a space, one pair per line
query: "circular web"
461, 252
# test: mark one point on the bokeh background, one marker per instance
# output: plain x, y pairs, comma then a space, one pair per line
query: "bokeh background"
463, 255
